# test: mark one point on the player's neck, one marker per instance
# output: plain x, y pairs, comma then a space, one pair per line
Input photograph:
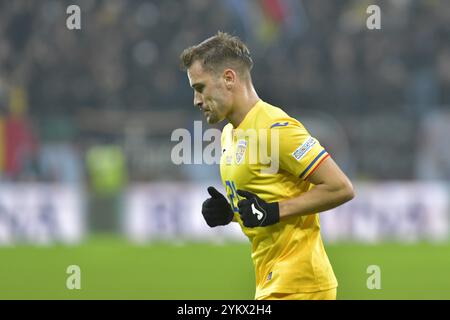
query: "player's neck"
242, 106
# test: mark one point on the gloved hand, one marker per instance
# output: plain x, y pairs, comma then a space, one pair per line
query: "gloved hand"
255, 212
216, 210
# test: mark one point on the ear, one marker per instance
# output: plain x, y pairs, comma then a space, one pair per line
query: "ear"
229, 76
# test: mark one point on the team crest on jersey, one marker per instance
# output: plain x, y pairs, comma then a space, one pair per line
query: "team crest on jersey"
240, 151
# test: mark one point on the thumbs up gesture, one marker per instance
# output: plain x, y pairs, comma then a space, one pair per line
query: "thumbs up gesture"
216, 210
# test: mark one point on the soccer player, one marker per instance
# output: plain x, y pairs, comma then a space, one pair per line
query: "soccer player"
278, 211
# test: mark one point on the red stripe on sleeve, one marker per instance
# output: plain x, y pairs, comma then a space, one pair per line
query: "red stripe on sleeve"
316, 166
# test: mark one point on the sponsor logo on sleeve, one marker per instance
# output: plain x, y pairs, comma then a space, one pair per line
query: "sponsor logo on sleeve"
301, 151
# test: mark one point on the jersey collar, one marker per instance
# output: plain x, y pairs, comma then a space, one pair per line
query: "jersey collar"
249, 114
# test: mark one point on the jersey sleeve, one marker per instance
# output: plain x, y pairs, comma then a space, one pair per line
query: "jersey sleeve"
299, 152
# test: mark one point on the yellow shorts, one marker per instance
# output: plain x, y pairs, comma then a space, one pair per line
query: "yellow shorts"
318, 295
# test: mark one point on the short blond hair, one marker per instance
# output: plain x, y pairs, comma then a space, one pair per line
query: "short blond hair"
220, 51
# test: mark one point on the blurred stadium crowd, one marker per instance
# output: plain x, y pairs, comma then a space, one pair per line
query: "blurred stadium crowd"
102, 101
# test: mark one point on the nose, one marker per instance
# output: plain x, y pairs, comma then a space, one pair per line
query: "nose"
198, 101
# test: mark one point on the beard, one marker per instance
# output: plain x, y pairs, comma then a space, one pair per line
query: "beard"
211, 118
215, 111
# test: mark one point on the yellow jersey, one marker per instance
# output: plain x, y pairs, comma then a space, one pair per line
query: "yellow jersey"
289, 257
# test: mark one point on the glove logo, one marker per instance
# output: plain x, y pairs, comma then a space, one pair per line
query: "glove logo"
255, 212
259, 214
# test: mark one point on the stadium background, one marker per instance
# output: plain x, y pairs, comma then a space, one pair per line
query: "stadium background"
86, 118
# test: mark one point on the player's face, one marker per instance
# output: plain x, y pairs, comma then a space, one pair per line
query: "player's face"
210, 93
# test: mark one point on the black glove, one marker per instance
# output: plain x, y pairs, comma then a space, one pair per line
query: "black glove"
255, 212
216, 210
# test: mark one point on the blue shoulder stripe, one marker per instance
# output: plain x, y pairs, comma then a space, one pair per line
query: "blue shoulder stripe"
278, 124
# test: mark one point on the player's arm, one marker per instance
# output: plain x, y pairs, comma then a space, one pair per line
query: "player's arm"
304, 157
332, 188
